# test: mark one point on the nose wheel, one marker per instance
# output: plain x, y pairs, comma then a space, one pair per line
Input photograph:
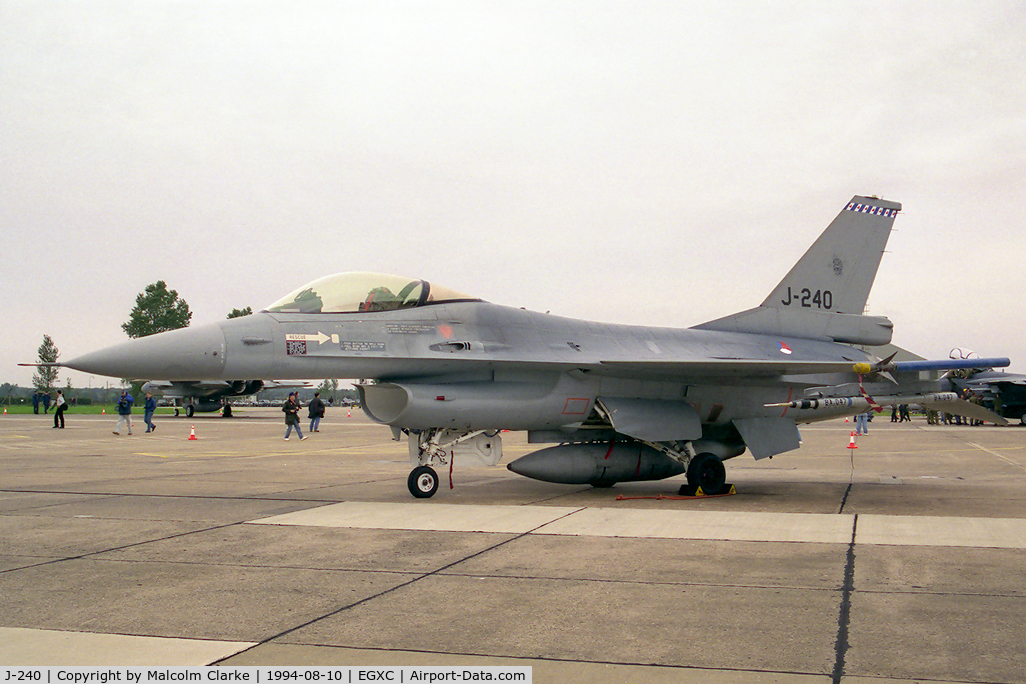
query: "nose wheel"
423, 482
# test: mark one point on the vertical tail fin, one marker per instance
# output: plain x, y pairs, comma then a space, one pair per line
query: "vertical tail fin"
842, 262
825, 294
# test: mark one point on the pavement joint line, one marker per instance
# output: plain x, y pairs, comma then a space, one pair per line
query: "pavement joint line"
844, 499
403, 585
40, 507
522, 578
841, 645
909, 592
119, 548
178, 496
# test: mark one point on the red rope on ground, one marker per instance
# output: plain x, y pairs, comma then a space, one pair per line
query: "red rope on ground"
660, 497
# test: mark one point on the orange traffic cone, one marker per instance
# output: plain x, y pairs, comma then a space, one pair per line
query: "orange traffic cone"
103, 412
349, 414
5, 410
846, 419
192, 433
851, 442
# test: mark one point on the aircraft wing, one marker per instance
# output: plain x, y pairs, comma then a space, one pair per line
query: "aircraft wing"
280, 384
211, 389
178, 389
726, 368
1018, 382
735, 368
688, 370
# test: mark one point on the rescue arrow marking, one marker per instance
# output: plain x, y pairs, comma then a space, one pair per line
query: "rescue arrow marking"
319, 338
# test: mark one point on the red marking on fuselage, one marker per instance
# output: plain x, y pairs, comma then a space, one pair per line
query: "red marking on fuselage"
576, 406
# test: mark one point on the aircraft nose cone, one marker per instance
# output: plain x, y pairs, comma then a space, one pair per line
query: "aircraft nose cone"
185, 354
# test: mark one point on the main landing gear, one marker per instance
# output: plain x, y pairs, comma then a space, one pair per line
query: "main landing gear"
707, 471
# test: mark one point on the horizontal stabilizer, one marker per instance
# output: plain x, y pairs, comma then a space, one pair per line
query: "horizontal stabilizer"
808, 324
967, 409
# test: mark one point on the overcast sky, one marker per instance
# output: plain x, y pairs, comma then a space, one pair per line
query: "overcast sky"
654, 163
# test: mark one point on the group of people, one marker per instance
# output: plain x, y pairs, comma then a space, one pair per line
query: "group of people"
124, 406
291, 407
60, 405
315, 411
41, 398
899, 414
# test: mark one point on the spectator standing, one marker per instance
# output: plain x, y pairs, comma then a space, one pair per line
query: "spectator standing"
148, 408
316, 412
124, 412
59, 406
291, 409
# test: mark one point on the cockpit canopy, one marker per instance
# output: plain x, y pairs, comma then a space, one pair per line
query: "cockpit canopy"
362, 293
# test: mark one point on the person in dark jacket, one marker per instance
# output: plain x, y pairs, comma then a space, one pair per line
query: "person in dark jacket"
291, 410
60, 405
124, 411
316, 409
148, 408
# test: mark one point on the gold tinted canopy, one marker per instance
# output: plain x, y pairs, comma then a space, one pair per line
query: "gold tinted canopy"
361, 292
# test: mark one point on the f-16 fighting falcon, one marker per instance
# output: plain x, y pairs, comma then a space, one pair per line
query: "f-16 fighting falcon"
615, 403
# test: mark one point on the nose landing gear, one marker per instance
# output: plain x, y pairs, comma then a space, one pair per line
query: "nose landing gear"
423, 482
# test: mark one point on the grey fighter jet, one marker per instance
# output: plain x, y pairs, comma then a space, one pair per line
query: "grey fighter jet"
1006, 392
615, 403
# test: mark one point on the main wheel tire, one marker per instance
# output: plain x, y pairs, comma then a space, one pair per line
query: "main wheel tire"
423, 482
707, 471
189, 410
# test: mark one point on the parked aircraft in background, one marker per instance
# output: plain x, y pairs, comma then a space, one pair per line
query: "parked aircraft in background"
616, 402
209, 395
1005, 392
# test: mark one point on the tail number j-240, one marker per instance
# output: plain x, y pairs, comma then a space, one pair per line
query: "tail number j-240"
820, 299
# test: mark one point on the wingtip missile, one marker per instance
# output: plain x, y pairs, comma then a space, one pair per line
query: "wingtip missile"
886, 366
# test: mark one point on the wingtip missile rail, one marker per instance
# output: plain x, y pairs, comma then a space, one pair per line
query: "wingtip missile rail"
928, 365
